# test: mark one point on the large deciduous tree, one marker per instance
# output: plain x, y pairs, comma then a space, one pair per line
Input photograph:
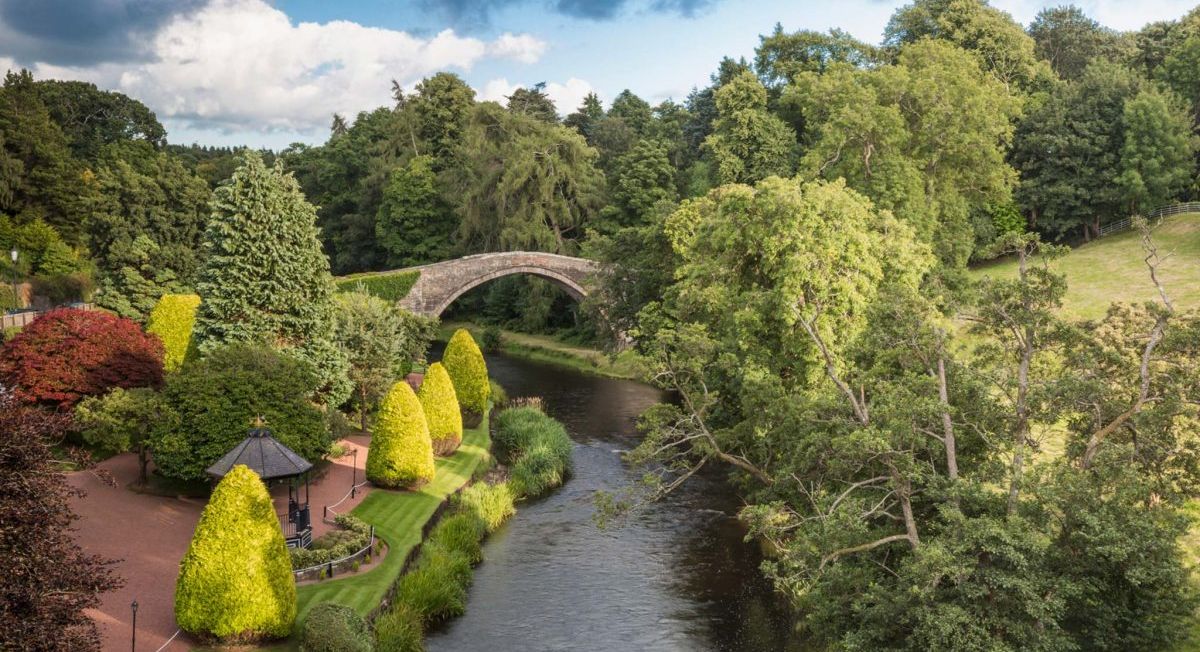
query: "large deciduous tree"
1158, 149
381, 341
1069, 40
748, 143
523, 184
265, 278
414, 223
49, 580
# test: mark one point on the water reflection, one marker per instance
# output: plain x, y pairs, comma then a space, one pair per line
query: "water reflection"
676, 576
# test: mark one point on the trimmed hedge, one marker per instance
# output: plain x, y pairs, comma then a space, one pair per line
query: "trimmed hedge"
441, 410
354, 536
332, 627
467, 369
401, 452
399, 630
235, 582
172, 321
536, 447
492, 504
392, 286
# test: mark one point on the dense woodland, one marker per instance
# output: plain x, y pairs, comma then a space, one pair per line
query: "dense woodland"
936, 463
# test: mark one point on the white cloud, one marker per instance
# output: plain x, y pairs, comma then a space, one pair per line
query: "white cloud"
243, 65
566, 96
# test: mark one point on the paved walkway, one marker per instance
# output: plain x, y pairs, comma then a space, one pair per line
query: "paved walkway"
150, 535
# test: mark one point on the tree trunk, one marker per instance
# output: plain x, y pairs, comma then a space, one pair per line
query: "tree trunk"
362, 409
143, 476
947, 423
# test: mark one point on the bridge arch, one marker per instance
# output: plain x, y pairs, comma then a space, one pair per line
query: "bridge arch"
439, 284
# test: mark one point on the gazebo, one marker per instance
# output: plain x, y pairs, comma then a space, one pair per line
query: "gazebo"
273, 461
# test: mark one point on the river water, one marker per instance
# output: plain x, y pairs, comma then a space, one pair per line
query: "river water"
674, 576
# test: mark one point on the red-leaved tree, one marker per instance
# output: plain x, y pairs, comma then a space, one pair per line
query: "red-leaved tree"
47, 580
68, 354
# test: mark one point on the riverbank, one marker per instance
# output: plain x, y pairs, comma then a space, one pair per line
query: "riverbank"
400, 519
626, 365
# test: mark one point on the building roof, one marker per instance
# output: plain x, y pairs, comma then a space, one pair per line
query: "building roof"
264, 455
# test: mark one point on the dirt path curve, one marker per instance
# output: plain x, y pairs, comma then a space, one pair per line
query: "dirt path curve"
150, 535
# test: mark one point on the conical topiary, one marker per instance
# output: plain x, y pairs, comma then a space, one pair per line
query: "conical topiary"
401, 452
464, 362
172, 320
235, 582
441, 410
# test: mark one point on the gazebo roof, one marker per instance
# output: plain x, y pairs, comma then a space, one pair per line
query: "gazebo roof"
264, 455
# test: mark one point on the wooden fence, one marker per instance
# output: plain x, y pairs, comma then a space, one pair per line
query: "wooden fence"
1157, 215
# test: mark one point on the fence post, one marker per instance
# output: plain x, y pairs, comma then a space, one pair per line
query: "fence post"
331, 570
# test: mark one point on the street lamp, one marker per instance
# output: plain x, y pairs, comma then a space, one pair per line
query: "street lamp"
133, 641
14, 253
354, 475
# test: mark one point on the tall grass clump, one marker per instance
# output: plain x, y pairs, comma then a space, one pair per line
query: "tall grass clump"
537, 449
492, 504
460, 533
437, 588
399, 630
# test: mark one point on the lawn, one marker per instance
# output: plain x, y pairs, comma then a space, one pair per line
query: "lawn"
1112, 269
398, 517
542, 348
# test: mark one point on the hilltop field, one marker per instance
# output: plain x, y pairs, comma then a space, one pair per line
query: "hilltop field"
1113, 268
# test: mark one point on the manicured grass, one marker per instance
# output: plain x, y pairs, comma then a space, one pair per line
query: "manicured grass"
545, 349
1112, 269
398, 517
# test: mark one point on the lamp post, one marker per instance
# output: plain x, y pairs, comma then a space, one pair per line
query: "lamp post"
14, 253
354, 475
133, 640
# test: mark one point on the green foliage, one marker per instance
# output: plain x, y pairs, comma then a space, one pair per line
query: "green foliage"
533, 102
399, 630
537, 449
1069, 40
380, 340
217, 399
1158, 149
464, 362
265, 277
748, 143
401, 452
145, 229
354, 535
496, 394
523, 183
392, 286
492, 504
780, 57
235, 583
331, 627
172, 321
644, 177
414, 224
122, 419
437, 588
491, 338
460, 533
442, 412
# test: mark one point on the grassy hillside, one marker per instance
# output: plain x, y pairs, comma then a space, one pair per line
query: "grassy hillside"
1112, 269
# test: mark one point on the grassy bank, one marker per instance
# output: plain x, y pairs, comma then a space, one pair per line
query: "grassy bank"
626, 365
398, 517
1112, 269
537, 450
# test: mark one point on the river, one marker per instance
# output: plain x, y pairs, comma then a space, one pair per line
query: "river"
674, 576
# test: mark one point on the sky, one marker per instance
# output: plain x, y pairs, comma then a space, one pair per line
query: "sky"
268, 73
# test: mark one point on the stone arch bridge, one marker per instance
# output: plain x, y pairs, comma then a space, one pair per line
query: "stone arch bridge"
441, 283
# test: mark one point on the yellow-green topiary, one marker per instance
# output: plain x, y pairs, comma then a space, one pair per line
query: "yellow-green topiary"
441, 410
235, 582
401, 452
172, 320
466, 367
